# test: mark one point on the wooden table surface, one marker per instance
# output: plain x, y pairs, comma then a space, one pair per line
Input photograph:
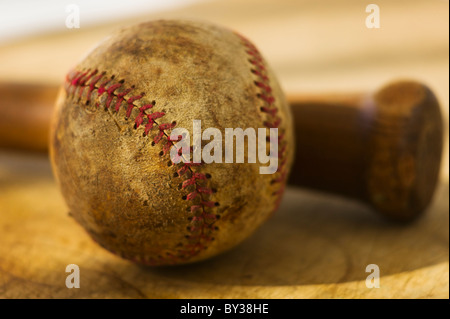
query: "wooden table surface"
316, 246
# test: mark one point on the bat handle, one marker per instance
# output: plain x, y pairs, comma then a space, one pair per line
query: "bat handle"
383, 149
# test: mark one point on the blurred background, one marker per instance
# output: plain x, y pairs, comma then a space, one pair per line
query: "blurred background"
323, 243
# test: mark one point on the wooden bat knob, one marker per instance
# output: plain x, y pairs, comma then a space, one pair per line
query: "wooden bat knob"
384, 149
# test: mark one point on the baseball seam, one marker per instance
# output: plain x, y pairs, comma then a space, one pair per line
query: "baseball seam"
262, 81
201, 224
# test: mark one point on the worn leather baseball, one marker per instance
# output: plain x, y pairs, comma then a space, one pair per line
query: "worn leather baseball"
110, 145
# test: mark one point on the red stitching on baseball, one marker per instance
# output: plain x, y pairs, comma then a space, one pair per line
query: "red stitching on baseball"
78, 80
259, 69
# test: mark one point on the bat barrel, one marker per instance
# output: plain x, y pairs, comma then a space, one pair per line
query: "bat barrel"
25, 113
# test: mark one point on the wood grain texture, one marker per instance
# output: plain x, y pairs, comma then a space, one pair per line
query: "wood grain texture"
315, 246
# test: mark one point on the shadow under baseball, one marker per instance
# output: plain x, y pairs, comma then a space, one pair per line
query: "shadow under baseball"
317, 239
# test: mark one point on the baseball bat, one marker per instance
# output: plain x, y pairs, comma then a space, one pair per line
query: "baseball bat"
382, 148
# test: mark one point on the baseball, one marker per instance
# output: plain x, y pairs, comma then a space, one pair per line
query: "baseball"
111, 141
